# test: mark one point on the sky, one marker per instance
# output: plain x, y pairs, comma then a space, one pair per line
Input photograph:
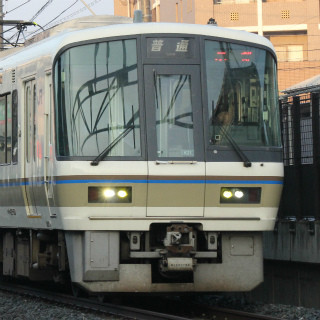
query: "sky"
48, 13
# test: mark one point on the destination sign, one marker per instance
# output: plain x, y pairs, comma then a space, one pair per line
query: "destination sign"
182, 48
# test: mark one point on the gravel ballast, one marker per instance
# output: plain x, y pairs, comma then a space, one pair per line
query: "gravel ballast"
19, 307
275, 310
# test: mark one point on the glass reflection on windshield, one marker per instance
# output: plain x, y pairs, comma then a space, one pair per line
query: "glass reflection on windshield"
242, 96
174, 121
97, 100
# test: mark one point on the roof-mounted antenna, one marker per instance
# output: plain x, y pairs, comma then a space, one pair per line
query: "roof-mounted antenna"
137, 17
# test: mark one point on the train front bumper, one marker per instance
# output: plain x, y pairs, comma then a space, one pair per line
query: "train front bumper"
241, 269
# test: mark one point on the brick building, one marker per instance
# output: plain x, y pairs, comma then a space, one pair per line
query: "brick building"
293, 26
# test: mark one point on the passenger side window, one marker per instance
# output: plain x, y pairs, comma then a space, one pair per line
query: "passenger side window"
5, 129
14, 126
2, 129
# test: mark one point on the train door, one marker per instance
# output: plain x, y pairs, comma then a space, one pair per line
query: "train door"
30, 147
48, 156
175, 141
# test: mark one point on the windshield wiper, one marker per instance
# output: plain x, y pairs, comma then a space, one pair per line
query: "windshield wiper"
129, 126
246, 162
106, 151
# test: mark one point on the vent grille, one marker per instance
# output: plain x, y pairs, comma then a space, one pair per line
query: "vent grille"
285, 14
234, 16
13, 76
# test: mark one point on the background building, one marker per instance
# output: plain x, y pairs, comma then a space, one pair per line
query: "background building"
293, 26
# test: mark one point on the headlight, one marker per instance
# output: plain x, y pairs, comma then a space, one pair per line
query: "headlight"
240, 195
122, 193
227, 194
110, 194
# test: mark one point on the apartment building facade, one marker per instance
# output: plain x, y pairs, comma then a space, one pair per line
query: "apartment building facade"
293, 26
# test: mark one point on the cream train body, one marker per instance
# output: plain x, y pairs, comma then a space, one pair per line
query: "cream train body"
139, 157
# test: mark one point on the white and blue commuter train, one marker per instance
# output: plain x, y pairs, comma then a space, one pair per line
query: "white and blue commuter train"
139, 157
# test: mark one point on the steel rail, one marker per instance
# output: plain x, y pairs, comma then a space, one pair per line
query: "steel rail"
218, 313
89, 304
208, 312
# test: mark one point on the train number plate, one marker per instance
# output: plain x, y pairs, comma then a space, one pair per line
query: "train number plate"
180, 264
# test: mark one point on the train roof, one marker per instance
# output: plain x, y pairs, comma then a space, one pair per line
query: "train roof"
88, 28
306, 86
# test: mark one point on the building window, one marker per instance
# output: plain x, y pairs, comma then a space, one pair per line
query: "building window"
281, 53
5, 129
289, 53
295, 53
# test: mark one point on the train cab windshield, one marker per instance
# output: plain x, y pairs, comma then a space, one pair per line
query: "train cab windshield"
242, 95
216, 95
97, 100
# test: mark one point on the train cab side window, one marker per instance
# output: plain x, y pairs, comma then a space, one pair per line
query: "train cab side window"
5, 129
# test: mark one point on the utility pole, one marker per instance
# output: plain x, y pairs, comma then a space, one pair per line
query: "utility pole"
146, 11
1, 25
86, 5
259, 14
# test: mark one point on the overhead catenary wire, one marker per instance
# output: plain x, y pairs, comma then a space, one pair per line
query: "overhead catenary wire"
21, 5
54, 22
17, 34
299, 68
92, 3
75, 13
33, 18
61, 13
41, 10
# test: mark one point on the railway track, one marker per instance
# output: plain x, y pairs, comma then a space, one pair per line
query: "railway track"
196, 310
230, 314
178, 310
118, 311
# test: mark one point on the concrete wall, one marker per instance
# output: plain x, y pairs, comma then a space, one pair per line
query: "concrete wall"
236, 15
289, 283
203, 11
177, 11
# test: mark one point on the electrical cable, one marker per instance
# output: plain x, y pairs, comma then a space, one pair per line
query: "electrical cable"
91, 4
41, 10
53, 18
18, 6
61, 13
301, 68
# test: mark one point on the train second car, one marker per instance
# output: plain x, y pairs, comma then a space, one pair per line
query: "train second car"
139, 157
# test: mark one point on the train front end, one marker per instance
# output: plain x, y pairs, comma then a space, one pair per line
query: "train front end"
168, 158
